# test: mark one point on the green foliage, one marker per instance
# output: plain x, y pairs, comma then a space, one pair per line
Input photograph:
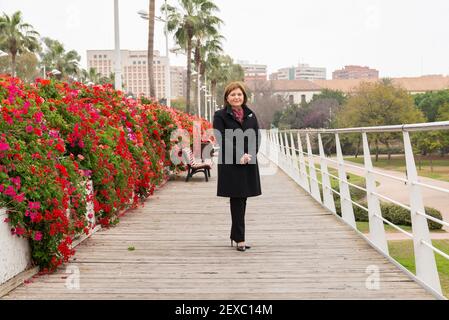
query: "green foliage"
56, 57
378, 104
190, 21
431, 102
337, 95
179, 104
26, 68
17, 37
393, 213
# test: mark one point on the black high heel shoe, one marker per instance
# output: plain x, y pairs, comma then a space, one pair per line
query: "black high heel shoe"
241, 248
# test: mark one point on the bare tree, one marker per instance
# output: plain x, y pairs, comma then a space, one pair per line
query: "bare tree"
264, 101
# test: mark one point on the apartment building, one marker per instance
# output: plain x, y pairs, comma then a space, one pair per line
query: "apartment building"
254, 71
355, 72
301, 72
135, 71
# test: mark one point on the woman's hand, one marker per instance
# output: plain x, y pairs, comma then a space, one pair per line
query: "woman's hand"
245, 159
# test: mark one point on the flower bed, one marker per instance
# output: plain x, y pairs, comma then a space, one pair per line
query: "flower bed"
56, 136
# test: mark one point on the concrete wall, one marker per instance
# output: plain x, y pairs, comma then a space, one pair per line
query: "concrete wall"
15, 253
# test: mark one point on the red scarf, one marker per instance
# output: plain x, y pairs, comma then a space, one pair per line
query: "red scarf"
238, 114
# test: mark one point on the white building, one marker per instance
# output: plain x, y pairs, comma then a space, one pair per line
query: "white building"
306, 72
253, 71
301, 72
178, 82
134, 70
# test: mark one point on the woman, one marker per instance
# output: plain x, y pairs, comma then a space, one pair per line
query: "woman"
238, 171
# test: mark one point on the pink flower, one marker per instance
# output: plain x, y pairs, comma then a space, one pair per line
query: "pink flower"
10, 191
34, 205
20, 197
29, 129
38, 117
38, 236
4, 146
54, 133
2, 188
19, 231
16, 181
35, 216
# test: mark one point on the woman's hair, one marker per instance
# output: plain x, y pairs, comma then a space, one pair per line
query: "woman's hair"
231, 87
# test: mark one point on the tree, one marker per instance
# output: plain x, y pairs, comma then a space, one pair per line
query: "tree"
89, 76
17, 37
55, 57
186, 22
318, 113
337, 95
203, 52
215, 72
231, 72
379, 104
26, 66
266, 104
430, 102
109, 79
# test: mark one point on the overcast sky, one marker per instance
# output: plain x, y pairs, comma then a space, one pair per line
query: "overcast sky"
397, 37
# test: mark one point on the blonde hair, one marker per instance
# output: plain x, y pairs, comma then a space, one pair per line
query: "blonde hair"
231, 87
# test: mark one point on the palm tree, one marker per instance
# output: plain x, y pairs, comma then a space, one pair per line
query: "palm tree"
207, 41
185, 23
55, 57
17, 37
214, 69
151, 17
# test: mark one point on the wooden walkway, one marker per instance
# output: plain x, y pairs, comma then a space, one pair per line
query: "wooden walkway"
182, 251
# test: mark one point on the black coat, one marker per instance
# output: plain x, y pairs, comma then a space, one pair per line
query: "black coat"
235, 179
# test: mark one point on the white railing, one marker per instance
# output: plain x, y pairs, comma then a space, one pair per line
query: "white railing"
286, 150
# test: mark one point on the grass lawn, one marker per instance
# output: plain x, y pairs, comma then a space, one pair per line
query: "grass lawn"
352, 178
402, 251
440, 165
363, 227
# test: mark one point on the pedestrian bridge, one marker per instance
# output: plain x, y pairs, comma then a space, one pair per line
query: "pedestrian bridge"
177, 245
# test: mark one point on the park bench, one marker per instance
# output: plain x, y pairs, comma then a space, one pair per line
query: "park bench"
193, 166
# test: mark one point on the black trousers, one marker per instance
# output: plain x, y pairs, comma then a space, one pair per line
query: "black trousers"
238, 208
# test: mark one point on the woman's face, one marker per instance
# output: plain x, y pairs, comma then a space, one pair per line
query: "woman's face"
235, 98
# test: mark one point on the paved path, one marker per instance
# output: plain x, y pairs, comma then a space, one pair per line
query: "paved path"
182, 251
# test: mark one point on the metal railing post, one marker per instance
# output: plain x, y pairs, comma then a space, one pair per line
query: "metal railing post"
288, 157
302, 166
347, 212
296, 175
283, 155
426, 268
278, 148
376, 225
328, 197
315, 190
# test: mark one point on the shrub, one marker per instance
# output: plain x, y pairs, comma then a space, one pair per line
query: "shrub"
393, 213
54, 136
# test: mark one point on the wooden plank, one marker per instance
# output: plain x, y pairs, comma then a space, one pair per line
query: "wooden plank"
181, 251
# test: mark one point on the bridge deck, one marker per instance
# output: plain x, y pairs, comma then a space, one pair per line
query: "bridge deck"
182, 251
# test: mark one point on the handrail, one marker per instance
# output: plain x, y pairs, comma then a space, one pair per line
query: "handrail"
290, 157
428, 126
